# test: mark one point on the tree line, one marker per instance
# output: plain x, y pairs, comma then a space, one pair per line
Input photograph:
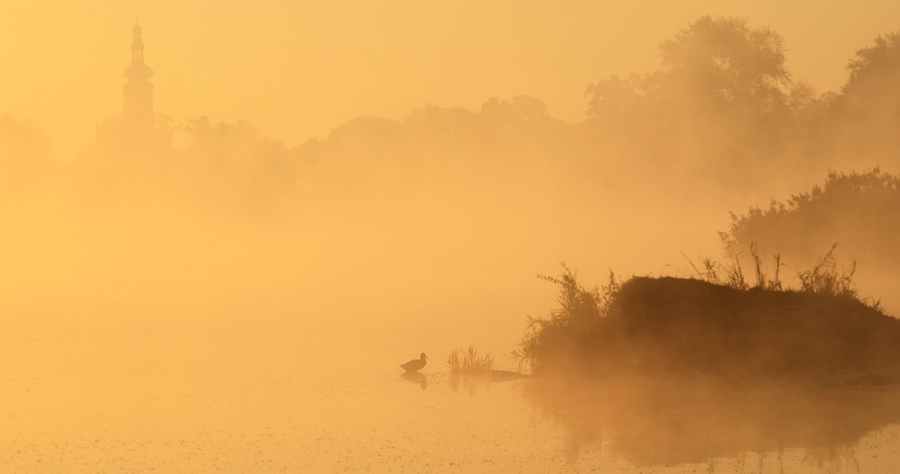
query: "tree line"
722, 110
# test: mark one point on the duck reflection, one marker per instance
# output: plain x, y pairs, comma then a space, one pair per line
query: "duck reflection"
657, 422
415, 377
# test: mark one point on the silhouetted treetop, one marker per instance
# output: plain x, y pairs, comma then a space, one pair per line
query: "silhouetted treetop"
520, 110
878, 64
873, 89
711, 66
861, 211
610, 98
728, 59
866, 114
723, 107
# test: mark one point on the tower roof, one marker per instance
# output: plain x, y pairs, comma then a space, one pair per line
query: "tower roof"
137, 70
138, 91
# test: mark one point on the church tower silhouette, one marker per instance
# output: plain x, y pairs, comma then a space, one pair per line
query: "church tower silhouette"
138, 91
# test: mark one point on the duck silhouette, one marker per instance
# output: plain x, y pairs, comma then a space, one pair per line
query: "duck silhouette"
415, 364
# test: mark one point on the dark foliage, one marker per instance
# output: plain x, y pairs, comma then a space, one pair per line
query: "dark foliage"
860, 211
684, 326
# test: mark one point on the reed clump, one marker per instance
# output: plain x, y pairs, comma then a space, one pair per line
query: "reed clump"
469, 361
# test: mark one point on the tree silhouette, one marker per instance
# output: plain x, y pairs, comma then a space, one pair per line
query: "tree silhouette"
860, 211
876, 66
726, 62
866, 114
718, 107
614, 98
236, 162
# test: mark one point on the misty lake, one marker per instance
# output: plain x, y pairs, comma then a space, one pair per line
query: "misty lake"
248, 388
219, 266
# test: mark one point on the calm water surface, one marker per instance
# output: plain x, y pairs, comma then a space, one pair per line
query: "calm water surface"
244, 388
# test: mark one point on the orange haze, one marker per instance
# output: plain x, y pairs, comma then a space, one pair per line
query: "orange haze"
298, 69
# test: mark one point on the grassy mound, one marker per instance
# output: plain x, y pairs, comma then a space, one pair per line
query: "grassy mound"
687, 326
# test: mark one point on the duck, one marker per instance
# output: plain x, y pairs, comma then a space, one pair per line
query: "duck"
415, 364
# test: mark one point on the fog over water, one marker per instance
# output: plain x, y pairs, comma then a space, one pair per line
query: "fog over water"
219, 266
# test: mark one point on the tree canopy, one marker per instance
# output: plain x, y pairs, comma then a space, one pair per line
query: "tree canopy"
726, 60
859, 211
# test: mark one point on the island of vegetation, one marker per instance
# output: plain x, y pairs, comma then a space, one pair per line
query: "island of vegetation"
821, 332
718, 324
682, 326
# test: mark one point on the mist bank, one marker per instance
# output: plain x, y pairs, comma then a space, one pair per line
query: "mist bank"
382, 209
444, 201
721, 115
859, 213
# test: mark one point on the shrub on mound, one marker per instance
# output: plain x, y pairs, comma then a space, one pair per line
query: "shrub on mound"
687, 326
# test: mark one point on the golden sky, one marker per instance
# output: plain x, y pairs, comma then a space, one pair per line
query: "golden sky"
296, 69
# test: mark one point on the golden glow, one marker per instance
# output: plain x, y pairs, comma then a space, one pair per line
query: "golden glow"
298, 69
334, 187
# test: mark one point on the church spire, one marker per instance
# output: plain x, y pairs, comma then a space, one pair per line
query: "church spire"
138, 90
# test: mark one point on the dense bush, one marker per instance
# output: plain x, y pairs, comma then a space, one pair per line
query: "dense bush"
860, 211
819, 332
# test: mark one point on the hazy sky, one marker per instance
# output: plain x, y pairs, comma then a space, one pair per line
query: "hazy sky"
296, 69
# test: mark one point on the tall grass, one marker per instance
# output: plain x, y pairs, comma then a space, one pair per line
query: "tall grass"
579, 308
734, 273
469, 361
824, 278
762, 280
